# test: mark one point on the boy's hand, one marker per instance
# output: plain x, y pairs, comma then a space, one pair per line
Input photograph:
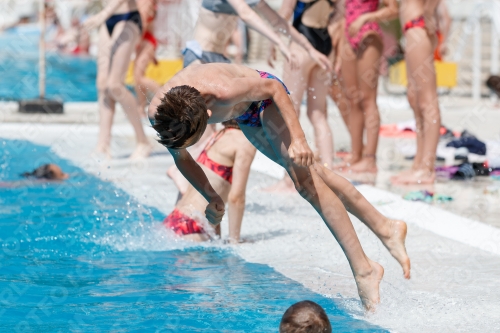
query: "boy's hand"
271, 56
94, 22
357, 25
290, 57
215, 210
300, 153
320, 59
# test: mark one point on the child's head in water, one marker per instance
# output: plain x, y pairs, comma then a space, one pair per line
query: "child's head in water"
181, 117
305, 317
47, 171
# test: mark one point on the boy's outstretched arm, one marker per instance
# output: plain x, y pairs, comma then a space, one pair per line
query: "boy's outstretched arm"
195, 175
250, 17
299, 151
285, 27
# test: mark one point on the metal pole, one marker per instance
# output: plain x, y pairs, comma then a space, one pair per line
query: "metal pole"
41, 62
476, 57
494, 47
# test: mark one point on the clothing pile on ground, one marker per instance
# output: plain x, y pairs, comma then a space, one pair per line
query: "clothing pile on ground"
463, 154
426, 196
468, 149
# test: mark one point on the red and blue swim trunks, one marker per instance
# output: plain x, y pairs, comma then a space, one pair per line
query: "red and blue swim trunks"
251, 117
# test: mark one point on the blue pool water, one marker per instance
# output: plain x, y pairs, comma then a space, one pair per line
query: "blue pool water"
69, 78
83, 256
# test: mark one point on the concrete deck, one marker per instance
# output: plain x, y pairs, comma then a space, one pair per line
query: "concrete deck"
455, 283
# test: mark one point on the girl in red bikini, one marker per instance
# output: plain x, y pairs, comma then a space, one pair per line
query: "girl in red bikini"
226, 162
145, 55
360, 72
419, 28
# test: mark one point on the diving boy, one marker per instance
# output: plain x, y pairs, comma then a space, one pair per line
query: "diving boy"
211, 93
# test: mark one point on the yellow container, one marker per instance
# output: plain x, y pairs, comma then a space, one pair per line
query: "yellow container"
446, 74
160, 73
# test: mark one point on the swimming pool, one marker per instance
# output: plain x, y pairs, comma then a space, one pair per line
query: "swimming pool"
69, 78
85, 256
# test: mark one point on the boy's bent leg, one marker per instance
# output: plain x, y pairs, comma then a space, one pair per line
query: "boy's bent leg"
273, 141
392, 233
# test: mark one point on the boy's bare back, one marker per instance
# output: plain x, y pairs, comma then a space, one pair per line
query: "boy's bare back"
228, 89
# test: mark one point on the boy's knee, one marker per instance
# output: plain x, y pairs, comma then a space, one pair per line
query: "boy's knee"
305, 186
137, 77
422, 104
426, 103
368, 102
412, 100
303, 191
101, 83
114, 88
138, 74
317, 118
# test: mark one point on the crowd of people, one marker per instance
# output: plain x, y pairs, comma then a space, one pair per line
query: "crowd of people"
335, 49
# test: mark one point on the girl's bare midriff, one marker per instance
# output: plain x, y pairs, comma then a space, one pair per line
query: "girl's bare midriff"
223, 152
318, 15
213, 30
125, 7
147, 11
412, 9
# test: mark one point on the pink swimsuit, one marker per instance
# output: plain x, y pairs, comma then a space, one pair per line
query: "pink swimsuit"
354, 9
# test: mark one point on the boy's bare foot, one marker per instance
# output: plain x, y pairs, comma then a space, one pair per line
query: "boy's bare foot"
102, 153
416, 177
368, 286
178, 179
233, 241
365, 165
285, 185
395, 243
403, 173
344, 155
142, 150
344, 165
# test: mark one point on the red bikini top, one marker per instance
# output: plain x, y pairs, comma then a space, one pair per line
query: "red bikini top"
225, 172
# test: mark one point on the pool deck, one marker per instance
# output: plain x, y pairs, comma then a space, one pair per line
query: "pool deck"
455, 254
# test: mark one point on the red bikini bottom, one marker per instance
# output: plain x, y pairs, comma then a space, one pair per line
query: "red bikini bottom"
182, 224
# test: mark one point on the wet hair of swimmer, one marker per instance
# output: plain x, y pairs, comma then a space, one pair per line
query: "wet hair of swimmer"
181, 118
46, 171
231, 124
305, 317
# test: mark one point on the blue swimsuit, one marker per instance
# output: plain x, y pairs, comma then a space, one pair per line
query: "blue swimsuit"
251, 117
131, 16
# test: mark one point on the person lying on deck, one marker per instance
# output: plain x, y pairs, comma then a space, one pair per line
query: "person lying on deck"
226, 161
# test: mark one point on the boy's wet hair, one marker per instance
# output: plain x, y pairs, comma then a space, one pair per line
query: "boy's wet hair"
181, 117
42, 172
231, 124
305, 317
